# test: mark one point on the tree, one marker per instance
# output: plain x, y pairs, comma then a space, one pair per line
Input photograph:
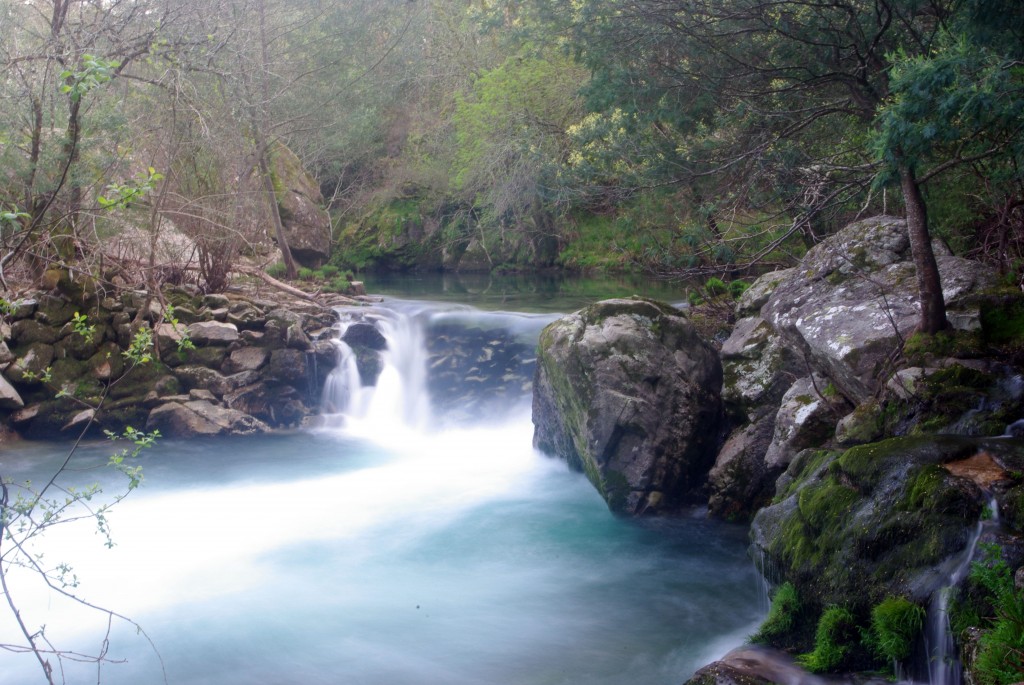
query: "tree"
961, 106
735, 95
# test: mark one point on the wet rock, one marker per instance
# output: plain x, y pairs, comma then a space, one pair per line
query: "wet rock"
201, 417
628, 392
884, 519
361, 334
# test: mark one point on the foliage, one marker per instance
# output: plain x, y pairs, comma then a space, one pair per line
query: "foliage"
835, 637
29, 511
1000, 659
895, 624
782, 616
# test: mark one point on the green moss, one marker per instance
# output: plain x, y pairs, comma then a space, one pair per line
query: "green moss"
924, 487
895, 624
836, 637
782, 616
1002, 321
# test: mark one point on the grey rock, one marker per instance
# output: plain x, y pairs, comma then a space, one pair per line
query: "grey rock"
31, 364
853, 301
213, 333
805, 419
757, 295
28, 331
9, 397
286, 366
366, 335
628, 392
246, 359
201, 417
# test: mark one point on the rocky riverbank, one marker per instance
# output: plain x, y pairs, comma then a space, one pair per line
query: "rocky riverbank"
254, 360
863, 454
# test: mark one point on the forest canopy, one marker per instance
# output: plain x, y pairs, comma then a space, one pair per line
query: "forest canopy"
158, 139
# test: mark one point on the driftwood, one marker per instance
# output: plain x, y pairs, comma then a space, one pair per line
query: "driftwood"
284, 287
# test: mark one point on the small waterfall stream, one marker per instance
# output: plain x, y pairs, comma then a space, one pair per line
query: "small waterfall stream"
944, 667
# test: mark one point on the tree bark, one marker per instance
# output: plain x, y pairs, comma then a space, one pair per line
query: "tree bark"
933, 305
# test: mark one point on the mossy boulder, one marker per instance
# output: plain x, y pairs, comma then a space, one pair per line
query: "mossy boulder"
878, 520
307, 226
627, 391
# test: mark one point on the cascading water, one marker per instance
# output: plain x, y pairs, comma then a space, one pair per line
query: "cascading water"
393, 544
944, 666
399, 398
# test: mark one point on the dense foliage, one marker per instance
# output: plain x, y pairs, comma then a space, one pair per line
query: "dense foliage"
675, 136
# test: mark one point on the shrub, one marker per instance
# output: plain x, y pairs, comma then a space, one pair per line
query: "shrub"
1000, 659
833, 640
737, 288
305, 273
329, 271
715, 286
277, 270
895, 624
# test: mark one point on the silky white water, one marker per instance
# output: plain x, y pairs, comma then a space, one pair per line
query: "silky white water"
384, 552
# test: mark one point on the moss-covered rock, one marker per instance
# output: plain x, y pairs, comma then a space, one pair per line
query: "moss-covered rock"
628, 392
853, 528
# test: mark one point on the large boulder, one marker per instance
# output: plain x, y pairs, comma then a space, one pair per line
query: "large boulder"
628, 392
307, 225
759, 369
854, 300
201, 417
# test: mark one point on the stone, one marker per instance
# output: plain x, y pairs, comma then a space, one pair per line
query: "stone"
307, 225
213, 333
740, 483
296, 339
628, 392
805, 419
9, 397
28, 331
853, 301
31, 364
246, 359
201, 417
366, 335
286, 366
757, 295
878, 520
758, 367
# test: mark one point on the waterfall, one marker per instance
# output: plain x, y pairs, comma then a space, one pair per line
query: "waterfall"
944, 666
399, 398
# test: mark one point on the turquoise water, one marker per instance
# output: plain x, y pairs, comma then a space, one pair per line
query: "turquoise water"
371, 549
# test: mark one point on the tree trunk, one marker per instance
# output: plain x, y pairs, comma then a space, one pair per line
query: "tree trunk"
933, 306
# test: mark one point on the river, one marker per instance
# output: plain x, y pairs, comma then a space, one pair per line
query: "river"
384, 546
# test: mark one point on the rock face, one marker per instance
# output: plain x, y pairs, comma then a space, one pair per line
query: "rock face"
853, 301
629, 393
841, 316
879, 520
307, 225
